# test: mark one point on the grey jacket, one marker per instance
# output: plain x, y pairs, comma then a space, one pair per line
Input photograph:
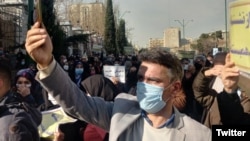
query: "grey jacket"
120, 117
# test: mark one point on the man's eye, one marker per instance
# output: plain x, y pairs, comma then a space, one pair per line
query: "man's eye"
154, 81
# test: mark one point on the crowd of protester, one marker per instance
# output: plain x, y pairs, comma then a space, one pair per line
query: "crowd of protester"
205, 98
201, 82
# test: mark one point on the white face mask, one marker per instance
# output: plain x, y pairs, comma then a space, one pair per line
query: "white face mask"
185, 67
66, 67
65, 60
25, 85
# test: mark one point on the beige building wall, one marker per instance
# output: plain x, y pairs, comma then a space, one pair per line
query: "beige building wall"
157, 42
172, 37
90, 17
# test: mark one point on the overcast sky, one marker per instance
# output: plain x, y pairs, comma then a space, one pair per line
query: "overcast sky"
149, 18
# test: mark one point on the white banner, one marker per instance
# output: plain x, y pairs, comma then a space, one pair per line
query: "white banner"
115, 71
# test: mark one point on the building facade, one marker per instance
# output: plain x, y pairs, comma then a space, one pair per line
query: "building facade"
89, 16
157, 42
172, 37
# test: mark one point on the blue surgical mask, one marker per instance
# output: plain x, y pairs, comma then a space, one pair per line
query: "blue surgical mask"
78, 71
150, 97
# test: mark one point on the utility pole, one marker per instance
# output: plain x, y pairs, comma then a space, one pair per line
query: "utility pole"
226, 21
183, 23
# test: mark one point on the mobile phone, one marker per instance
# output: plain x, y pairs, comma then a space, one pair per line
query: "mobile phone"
38, 12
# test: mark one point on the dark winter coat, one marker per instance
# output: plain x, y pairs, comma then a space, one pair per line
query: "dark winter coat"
222, 108
18, 120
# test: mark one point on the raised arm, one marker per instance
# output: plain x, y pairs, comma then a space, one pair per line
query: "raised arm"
54, 79
203, 94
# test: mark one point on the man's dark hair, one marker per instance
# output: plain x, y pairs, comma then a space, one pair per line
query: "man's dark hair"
184, 59
163, 57
219, 58
5, 71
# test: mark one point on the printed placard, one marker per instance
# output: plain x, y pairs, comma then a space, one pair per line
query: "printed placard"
239, 34
115, 71
50, 121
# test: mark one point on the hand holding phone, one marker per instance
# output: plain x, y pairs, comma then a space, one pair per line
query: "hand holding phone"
38, 12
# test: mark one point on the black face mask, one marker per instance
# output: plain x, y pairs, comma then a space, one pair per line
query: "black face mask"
198, 66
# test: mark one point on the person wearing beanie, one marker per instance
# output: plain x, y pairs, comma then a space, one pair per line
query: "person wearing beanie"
18, 120
27, 88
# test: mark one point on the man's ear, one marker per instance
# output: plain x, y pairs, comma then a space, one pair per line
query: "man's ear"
176, 87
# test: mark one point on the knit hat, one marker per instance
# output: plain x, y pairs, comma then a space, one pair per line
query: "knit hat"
27, 73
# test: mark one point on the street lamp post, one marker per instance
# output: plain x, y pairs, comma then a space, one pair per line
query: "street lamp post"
124, 14
119, 17
183, 23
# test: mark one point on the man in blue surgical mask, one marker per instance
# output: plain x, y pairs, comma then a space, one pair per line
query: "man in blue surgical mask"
150, 115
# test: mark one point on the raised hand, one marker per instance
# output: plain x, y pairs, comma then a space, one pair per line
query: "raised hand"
230, 75
39, 46
214, 71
